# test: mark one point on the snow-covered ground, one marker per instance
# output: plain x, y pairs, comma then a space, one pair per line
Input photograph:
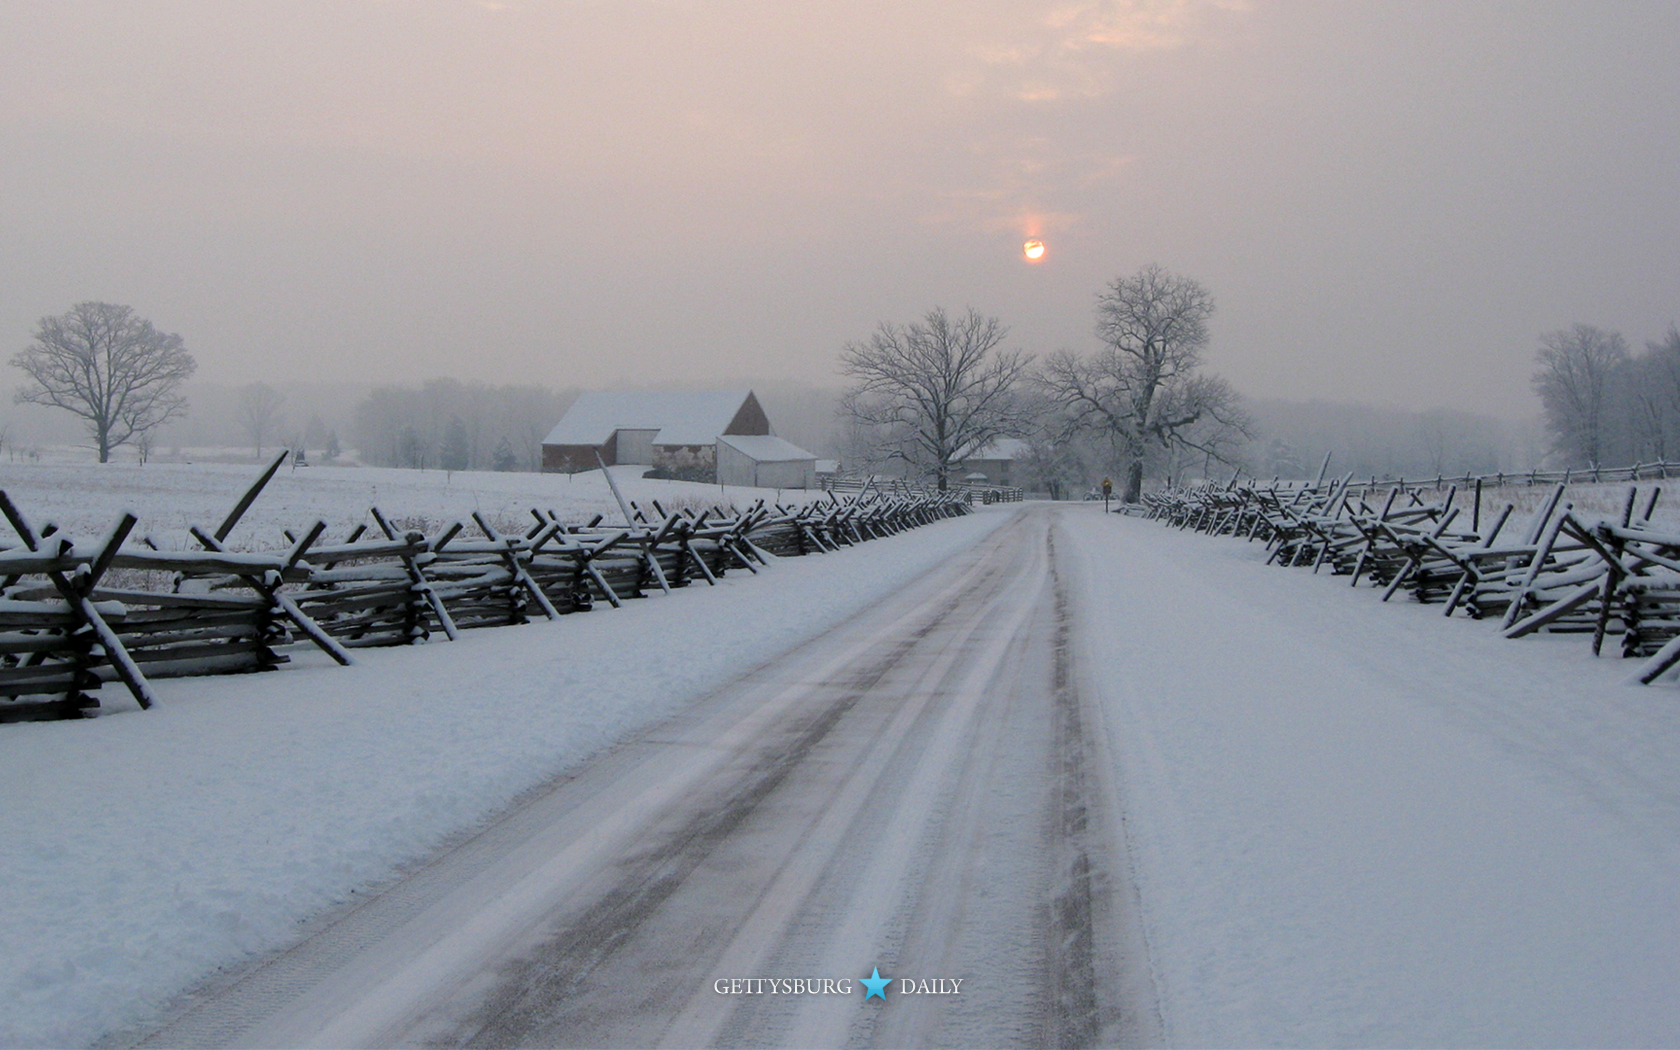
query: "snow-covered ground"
1350, 823
1358, 824
85, 499
144, 849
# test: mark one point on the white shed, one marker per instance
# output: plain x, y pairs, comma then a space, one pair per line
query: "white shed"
764, 461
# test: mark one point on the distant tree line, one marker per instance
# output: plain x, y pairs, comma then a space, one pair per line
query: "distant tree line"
1605, 405
931, 394
926, 397
450, 424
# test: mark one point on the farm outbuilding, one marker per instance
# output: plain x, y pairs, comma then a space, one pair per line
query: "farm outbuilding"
764, 461
680, 434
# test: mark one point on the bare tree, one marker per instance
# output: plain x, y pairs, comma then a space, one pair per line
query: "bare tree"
259, 412
111, 368
1144, 389
934, 391
1579, 381
1438, 437
1655, 390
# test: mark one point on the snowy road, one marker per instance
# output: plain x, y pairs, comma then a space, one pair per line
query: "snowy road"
1128, 784
920, 791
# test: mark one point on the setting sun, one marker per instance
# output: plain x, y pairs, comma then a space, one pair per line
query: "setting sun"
1033, 250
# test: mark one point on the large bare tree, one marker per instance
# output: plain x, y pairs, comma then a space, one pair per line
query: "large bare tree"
108, 366
259, 412
1582, 373
1144, 389
933, 392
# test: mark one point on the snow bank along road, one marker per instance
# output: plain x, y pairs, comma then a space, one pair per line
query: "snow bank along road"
1128, 784
919, 790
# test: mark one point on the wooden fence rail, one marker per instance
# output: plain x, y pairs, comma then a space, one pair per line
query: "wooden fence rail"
973, 491
64, 632
1660, 470
1557, 572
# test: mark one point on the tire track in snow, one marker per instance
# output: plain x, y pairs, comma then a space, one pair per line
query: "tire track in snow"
1099, 914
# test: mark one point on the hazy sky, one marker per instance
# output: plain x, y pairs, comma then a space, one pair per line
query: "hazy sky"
1390, 202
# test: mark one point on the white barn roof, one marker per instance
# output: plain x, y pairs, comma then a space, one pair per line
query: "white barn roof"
692, 418
765, 448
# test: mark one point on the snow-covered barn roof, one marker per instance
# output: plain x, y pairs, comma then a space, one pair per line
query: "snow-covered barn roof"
689, 418
764, 448
1001, 448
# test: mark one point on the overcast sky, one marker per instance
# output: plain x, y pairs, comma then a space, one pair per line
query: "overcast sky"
1390, 202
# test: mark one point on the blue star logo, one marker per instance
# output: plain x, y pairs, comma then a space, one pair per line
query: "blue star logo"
876, 984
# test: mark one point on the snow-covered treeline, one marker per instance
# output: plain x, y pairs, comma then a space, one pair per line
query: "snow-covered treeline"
452, 424
1604, 404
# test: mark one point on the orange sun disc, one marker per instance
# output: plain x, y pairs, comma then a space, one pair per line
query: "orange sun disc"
1033, 250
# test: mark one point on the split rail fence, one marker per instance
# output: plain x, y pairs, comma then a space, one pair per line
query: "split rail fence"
972, 491
1661, 470
65, 631
1557, 572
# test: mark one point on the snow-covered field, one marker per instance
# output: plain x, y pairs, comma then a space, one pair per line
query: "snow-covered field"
144, 849
85, 499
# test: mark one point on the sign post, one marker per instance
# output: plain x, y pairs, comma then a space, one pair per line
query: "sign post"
1108, 490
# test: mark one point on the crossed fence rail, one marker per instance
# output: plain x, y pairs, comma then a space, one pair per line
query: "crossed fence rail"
1557, 572
65, 632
